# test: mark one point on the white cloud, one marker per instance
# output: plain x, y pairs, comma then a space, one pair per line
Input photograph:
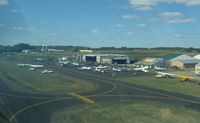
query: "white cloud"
53, 34
129, 33
14, 11
149, 4
130, 17
141, 25
186, 2
182, 20
120, 26
3, 2
95, 31
2, 25
18, 29
143, 4
175, 17
171, 14
32, 29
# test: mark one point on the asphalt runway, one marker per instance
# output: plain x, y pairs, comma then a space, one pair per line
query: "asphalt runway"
22, 107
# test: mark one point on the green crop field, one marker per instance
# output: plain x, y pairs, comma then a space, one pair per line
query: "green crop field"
126, 112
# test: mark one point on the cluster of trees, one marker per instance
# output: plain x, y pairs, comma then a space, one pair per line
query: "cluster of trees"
19, 47
16, 48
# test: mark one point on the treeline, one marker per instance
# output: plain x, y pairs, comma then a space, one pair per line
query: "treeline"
15, 48
19, 47
22, 46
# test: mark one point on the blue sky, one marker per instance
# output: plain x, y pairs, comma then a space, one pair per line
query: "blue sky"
101, 23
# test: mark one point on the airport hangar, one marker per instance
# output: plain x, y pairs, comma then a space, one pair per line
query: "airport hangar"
152, 62
106, 58
184, 61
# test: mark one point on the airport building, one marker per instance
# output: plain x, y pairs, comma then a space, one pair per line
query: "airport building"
184, 61
152, 62
197, 57
86, 51
197, 69
106, 58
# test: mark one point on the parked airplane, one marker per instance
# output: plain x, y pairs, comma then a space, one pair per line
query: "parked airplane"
46, 71
186, 78
101, 67
85, 68
164, 75
159, 68
30, 65
143, 69
31, 69
76, 64
24, 65
36, 66
98, 70
116, 69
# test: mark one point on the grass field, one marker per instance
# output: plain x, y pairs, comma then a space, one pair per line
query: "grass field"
170, 84
21, 79
126, 112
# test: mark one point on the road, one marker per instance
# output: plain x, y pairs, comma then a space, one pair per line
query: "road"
22, 107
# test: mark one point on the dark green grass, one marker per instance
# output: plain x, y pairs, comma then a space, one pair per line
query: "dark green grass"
21, 79
126, 112
170, 84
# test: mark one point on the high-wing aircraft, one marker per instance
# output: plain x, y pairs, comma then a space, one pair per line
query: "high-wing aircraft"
159, 68
164, 75
143, 69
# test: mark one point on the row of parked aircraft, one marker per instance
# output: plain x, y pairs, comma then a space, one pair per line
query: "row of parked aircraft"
170, 75
30, 65
100, 68
165, 75
33, 67
143, 69
146, 69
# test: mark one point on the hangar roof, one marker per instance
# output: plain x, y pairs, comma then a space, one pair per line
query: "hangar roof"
183, 57
149, 61
186, 59
197, 56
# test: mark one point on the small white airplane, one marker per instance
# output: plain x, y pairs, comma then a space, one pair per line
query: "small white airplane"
30, 65
98, 70
163, 75
36, 66
76, 64
24, 65
31, 69
116, 69
46, 71
159, 68
101, 67
143, 69
85, 68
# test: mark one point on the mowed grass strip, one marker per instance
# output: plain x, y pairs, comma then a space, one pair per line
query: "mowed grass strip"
126, 112
21, 79
170, 84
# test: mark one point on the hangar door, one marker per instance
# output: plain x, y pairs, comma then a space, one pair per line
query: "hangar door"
91, 59
119, 61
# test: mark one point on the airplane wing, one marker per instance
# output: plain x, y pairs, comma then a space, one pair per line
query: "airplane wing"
185, 78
